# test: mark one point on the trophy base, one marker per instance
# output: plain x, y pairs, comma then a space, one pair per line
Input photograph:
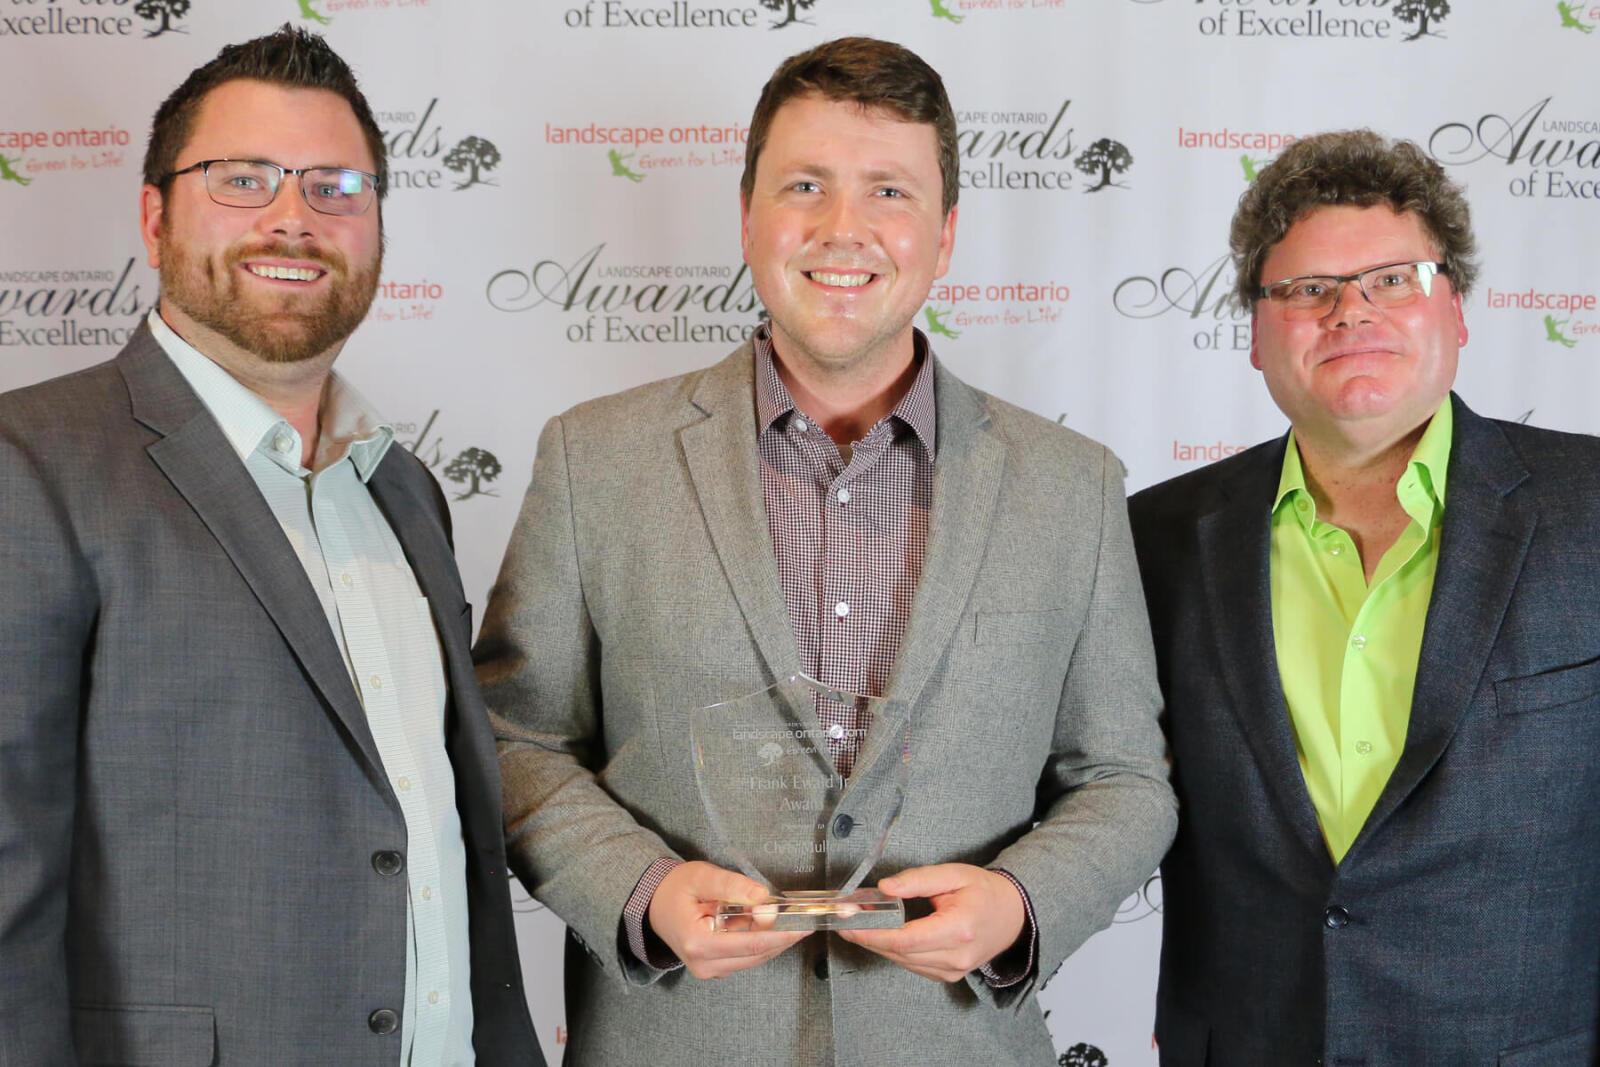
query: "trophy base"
864, 909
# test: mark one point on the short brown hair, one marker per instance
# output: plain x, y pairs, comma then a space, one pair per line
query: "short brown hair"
289, 57
1355, 168
875, 74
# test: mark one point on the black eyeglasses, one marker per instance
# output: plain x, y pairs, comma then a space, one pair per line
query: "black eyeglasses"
255, 182
1391, 285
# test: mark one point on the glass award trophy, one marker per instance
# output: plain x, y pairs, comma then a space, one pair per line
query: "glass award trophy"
766, 765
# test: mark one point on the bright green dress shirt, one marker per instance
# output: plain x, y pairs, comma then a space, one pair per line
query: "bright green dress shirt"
1347, 651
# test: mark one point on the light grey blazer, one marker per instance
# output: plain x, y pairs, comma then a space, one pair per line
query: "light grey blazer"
641, 582
191, 804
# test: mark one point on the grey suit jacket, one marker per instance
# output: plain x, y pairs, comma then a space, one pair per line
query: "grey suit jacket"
190, 798
1463, 926
641, 583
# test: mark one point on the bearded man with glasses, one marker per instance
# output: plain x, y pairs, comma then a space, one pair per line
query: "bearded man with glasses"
249, 800
1379, 641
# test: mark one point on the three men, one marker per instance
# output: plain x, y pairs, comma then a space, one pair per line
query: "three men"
830, 499
1378, 641
248, 794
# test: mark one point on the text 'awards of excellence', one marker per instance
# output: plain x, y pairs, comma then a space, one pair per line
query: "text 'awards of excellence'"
768, 776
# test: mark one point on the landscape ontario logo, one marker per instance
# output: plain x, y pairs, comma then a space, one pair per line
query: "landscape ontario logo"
1553, 158
55, 308
1561, 317
1580, 17
1254, 148
406, 300
633, 153
46, 151
688, 15
1016, 150
420, 152
1203, 298
957, 10
633, 303
95, 18
1355, 20
323, 12
954, 307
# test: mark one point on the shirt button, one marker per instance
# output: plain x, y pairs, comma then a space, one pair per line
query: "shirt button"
835, 731
433, 996
1335, 550
405, 784
800, 424
375, 682
1303, 504
345, 580
1364, 748
844, 496
427, 893
1358, 643
283, 442
841, 609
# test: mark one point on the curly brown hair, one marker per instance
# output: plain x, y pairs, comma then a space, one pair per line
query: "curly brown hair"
875, 74
1355, 168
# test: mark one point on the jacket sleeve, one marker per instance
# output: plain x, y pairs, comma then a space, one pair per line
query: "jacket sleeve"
576, 849
47, 608
1108, 811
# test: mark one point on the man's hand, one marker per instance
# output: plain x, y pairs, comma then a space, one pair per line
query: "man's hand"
977, 915
683, 914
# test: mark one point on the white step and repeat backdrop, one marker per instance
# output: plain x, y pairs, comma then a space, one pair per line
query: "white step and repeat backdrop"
563, 222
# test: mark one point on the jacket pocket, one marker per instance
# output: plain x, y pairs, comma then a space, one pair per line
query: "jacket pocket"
134, 1035
1551, 689
1021, 627
1563, 1051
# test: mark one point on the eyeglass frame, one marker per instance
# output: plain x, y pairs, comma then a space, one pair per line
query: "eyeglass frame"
1341, 280
204, 167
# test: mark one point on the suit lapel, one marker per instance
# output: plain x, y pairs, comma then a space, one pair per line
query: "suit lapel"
725, 471
966, 488
1235, 558
195, 456
1482, 546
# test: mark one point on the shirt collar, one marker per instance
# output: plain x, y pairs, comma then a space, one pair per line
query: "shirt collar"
350, 425
1420, 491
915, 409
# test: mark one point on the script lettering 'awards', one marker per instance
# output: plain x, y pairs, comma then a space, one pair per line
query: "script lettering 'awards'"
767, 767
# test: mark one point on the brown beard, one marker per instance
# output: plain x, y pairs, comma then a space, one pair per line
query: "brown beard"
289, 332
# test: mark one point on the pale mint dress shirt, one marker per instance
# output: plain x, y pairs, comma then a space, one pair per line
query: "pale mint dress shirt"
383, 626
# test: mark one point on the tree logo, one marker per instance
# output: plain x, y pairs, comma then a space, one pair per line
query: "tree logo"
473, 465
1423, 13
1083, 1054
1570, 19
474, 155
309, 12
7, 174
1105, 157
619, 165
1553, 334
166, 11
791, 9
940, 11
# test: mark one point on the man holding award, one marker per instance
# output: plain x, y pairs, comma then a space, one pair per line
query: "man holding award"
827, 616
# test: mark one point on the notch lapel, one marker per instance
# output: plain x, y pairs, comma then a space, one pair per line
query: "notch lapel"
1482, 546
725, 472
1235, 558
204, 469
966, 488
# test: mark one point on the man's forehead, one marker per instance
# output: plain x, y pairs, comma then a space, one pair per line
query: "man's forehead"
260, 111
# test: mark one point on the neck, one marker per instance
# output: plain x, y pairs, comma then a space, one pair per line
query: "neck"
1355, 489
846, 402
293, 389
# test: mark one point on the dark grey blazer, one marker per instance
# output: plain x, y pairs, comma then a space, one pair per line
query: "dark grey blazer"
1463, 926
190, 798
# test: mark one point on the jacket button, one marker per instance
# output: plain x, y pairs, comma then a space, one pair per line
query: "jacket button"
842, 825
1336, 918
820, 968
388, 863
383, 1021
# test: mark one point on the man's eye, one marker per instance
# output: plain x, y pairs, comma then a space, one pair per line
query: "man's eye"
806, 187
326, 191
1389, 279
246, 181
896, 194
1309, 290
